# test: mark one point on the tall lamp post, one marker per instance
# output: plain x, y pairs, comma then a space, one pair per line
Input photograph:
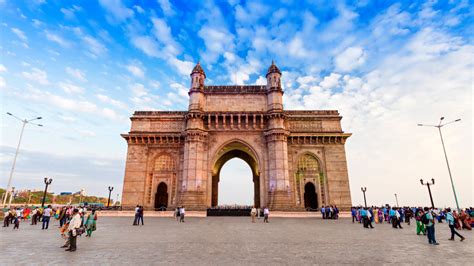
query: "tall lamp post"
439, 126
364, 189
11, 197
396, 199
428, 184
110, 192
47, 182
24, 121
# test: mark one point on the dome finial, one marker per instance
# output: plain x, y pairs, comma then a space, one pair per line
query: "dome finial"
198, 69
273, 69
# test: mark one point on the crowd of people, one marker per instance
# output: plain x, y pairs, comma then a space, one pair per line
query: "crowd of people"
425, 219
330, 212
73, 221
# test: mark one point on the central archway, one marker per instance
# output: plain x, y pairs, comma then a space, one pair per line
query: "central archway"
235, 149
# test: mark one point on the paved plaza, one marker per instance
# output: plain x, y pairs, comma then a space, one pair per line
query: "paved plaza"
234, 240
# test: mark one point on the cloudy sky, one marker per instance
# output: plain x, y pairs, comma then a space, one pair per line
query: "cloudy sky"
85, 66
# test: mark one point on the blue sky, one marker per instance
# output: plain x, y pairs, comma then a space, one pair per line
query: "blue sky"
85, 66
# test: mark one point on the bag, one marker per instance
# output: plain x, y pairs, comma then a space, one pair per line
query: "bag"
424, 219
81, 230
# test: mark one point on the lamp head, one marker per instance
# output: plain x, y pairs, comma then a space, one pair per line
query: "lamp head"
9, 113
421, 181
457, 120
39, 117
432, 180
420, 125
40, 125
442, 118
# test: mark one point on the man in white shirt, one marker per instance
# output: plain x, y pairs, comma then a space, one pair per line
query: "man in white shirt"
182, 212
46, 216
74, 224
266, 212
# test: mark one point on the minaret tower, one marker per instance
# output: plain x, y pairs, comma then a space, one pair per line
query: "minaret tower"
276, 137
194, 176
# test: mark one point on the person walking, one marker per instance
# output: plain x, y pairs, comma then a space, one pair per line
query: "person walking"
398, 219
182, 212
253, 213
176, 213
34, 216
450, 221
428, 220
140, 215
74, 224
420, 227
91, 223
135, 220
354, 214
266, 213
46, 217
369, 219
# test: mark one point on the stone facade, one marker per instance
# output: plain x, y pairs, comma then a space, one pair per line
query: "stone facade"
297, 158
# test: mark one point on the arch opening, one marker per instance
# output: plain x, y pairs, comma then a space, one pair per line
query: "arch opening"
229, 152
161, 196
236, 183
310, 196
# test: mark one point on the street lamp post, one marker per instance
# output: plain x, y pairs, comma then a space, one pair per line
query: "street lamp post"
396, 199
110, 192
11, 197
47, 183
24, 121
29, 197
364, 189
439, 126
428, 184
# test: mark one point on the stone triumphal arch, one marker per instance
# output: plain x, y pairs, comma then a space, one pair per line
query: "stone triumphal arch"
297, 158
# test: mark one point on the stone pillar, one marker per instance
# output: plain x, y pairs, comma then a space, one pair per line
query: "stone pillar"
194, 179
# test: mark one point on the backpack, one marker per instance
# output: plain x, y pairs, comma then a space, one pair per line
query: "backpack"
424, 219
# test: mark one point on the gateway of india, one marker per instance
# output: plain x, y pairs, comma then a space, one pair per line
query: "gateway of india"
297, 158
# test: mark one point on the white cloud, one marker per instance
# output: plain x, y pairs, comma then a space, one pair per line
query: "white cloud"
70, 104
261, 81
136, 69
76, 73
87, 133
68, 119
166, 7
118, 11
183, 67
69, 13
139, 9
330, 81
20, 34
3, 68
57, 39
37, 23
217, 40
182, 90
146, 45
37, 75
350, 59
107, 99
95, 47
70, 88
3, 83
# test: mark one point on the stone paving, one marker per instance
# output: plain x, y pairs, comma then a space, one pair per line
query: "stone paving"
233, 241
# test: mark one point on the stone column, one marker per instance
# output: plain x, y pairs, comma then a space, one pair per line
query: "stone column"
194, 180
